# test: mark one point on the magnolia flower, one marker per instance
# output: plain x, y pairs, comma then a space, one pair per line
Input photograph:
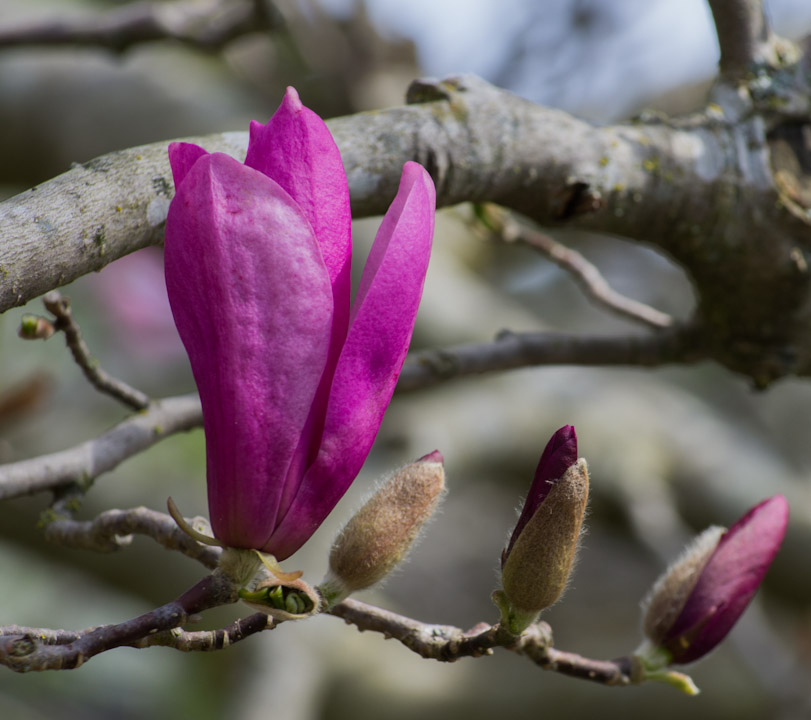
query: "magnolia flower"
539, 557
293, 382
695, 604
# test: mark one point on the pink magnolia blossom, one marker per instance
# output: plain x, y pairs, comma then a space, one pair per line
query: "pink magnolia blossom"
293, 381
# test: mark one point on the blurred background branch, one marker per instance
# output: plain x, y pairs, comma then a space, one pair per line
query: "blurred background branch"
207, 25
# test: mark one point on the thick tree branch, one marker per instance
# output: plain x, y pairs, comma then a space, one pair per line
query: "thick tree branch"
447, 643
60, 307
204, 25
701, 190
83, 463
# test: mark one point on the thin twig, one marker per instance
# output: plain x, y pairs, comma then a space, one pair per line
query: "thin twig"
677, 344
112, 530
26, 649
209, 640
743, 35
585, 273
206, 26
59, 306
183, 640
35, 651
447, 643
85, 462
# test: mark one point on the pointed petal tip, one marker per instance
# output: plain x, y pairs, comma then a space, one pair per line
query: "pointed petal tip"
565, 434
433, 457
292, 101
182, 156
777, 503
412, 168
772, 514
412, 173
559, 455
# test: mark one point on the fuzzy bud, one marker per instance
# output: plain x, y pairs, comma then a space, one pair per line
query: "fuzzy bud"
698, 600
380, 534
539, 557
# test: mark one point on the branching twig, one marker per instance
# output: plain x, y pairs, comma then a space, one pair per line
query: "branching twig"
26, 649
207, 26
112, 530
209, 640
448, 643
678, 344
584, 272
85, 462
183, 640
60, 307
35, 651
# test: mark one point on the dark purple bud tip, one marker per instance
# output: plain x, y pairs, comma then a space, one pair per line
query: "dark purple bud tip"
558, 456
434, 457
728, 581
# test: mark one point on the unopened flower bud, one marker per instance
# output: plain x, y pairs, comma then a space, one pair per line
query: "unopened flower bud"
539, 557
380, 534
698, 600
35, 327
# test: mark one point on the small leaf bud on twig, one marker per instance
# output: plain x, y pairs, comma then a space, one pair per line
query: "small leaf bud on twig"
35, 327
283, 599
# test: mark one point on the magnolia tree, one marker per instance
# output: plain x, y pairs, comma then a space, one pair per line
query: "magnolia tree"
294, 376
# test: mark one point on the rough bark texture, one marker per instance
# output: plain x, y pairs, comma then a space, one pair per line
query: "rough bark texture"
705, 190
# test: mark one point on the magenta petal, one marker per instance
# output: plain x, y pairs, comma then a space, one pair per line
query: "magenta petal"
381, 324
296, 150
253, 304
182, 156
729, 580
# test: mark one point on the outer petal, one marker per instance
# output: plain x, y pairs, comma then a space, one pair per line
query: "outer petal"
253, 305
296, 150
382, 321
729, 580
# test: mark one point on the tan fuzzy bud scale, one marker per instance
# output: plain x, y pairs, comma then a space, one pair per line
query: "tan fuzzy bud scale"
538, 566
380, 534
667, 597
